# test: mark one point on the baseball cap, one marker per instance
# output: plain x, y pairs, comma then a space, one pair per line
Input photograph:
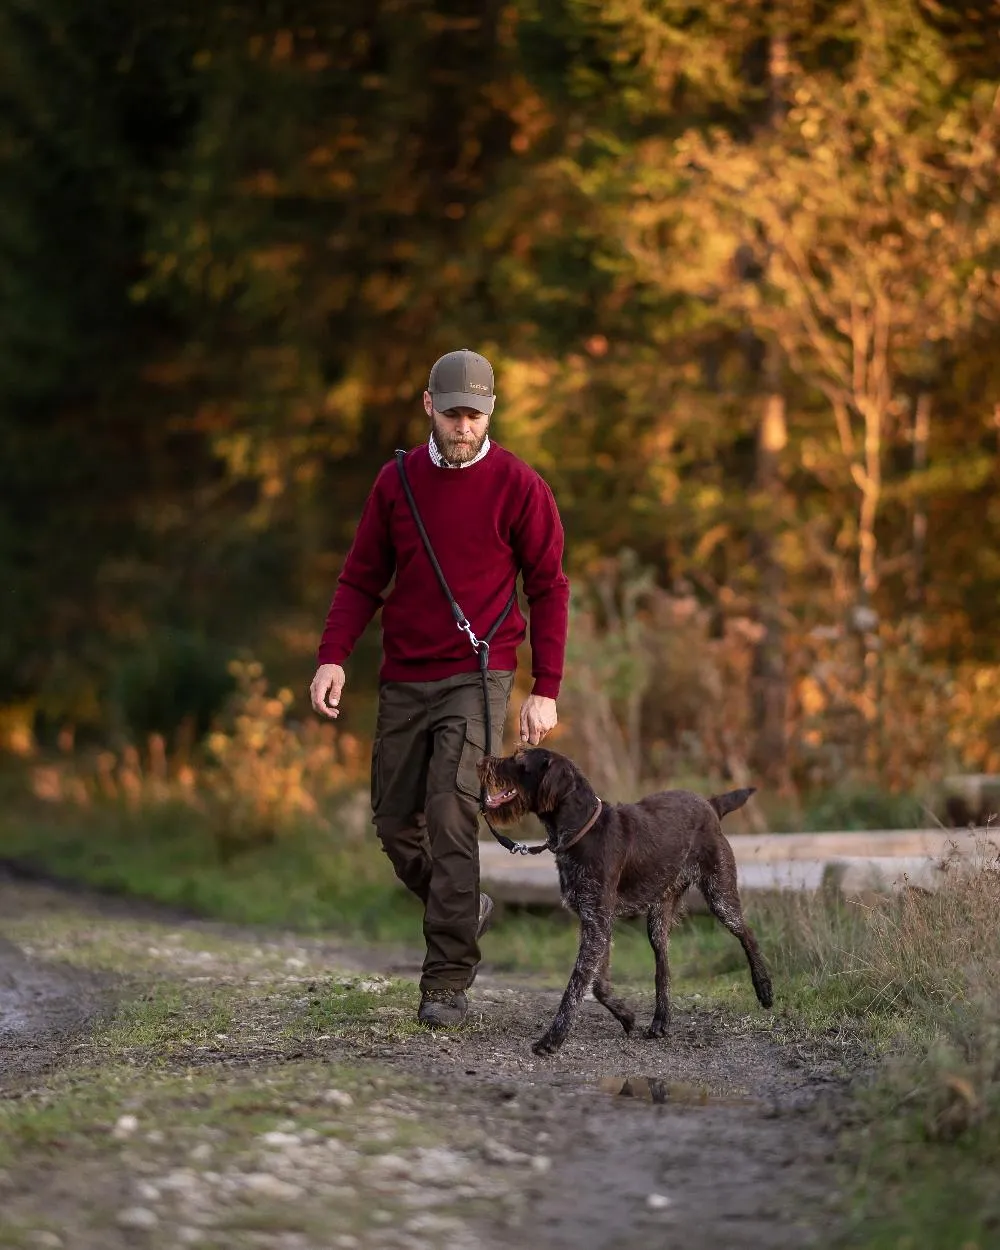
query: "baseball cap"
462, 379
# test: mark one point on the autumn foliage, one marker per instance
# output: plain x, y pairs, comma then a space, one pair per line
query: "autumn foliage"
736, 266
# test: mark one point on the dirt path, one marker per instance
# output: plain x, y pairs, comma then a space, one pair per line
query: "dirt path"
264, 1090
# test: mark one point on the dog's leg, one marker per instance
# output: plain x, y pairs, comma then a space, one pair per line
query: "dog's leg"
723, 899
658, 920
595, 937
603, 994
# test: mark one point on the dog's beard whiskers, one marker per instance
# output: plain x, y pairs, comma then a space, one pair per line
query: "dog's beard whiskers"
512, 809
495, 776
508, 813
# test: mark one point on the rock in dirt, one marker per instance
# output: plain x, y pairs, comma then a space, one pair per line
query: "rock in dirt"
138, 1217
269, 1186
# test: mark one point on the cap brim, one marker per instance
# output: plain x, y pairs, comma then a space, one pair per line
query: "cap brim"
458, 399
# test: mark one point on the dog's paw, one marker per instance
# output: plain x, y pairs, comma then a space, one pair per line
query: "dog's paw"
627, 1022
658, 1028
548, 1044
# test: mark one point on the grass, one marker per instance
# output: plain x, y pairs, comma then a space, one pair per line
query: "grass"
916, 979
79, 1110
310, 880
924, 970
67, 1130
216, 1042
315, 883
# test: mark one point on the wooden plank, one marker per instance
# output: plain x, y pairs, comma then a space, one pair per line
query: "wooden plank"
780, 847
859, 863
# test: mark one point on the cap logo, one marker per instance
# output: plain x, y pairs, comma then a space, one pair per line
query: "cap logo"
478, 386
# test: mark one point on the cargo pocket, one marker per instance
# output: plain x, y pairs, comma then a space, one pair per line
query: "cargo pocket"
473, 750
377, 785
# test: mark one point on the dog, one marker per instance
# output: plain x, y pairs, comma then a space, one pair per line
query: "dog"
622, 860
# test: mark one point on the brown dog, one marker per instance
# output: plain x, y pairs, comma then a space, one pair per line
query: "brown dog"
620, 860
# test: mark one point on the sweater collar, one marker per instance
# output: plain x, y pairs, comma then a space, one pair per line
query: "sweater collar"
441, 463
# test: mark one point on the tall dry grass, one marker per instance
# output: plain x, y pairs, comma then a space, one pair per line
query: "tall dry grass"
255, 777
929, 960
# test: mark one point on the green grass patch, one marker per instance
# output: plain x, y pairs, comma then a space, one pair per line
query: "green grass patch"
167, 1017
77, 1111
926, 1178
310, 879
350, 1010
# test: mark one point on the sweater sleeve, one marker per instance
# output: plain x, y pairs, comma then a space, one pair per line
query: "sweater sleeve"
538, 545
367, 571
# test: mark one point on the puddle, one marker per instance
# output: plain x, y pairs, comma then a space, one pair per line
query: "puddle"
654, 1089
39, 999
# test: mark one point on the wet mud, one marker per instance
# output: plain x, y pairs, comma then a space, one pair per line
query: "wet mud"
44, 1009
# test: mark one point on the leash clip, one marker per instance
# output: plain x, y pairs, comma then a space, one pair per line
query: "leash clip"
466, 628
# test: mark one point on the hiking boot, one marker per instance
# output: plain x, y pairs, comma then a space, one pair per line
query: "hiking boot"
442, 1009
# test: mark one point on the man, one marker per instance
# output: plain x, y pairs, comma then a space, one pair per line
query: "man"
489, 517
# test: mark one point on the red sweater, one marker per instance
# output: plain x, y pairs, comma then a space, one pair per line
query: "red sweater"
486, 523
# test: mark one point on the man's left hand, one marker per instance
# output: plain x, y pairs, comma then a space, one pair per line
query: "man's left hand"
538, 718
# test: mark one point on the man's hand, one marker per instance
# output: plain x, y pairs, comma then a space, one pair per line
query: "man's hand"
538, 717
326, 689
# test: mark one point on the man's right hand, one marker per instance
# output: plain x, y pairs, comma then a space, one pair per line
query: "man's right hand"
326, 689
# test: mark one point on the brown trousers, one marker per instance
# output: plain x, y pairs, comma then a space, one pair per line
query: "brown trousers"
429, 738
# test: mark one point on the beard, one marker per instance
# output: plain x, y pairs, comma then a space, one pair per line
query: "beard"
454, 449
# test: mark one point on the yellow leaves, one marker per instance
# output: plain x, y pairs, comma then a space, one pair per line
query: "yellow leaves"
439, 23
254, 777
320, 157
708, 498
267, 775
974, 718
280, 258
341, 180
17, 734
263, 182
812, 698
383, 292
284, 45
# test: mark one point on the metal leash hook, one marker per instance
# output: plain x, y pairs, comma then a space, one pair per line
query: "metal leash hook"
466, 628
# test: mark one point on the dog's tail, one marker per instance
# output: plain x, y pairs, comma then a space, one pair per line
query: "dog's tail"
723, 804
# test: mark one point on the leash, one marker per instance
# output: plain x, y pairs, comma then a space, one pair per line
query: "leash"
482, 648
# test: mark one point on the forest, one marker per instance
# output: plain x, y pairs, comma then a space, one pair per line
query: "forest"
735, 266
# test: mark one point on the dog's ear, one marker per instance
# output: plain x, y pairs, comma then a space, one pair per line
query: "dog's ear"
557, 781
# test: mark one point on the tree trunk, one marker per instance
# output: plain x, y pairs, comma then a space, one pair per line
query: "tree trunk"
869, 481
769, 679
921, 436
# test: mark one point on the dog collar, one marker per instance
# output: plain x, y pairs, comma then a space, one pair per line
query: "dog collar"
564, 846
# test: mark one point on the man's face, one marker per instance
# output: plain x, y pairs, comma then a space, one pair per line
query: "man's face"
459, 432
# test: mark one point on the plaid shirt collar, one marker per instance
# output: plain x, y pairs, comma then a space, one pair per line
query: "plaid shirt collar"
441, 463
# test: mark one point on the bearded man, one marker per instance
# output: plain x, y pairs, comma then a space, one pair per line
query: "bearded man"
489, 518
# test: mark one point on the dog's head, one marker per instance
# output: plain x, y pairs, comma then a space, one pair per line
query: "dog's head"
533, 779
